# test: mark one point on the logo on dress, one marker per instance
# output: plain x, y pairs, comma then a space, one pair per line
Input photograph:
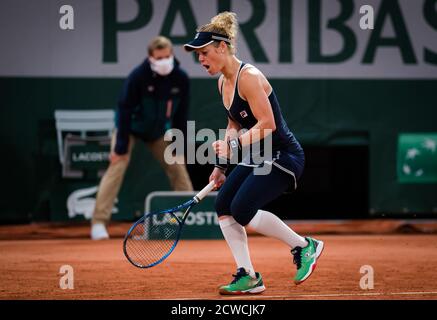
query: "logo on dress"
243, 114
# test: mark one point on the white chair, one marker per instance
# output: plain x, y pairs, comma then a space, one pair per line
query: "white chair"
81, 126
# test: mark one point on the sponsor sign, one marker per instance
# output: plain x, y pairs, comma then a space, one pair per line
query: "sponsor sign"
202, 222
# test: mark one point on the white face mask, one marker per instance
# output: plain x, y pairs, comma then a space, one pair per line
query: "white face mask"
162, 67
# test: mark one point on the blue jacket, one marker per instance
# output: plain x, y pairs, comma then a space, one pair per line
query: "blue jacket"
150, 104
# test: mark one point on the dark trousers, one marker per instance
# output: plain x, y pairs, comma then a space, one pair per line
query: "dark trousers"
244, 193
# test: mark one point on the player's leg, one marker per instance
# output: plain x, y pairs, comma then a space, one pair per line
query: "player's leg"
253, 195
305, 251
246, 280
108, 189
177, 172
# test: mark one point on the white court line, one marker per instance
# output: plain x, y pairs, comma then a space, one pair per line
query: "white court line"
327, 295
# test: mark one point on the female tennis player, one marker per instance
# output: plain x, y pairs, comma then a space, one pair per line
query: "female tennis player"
251, 104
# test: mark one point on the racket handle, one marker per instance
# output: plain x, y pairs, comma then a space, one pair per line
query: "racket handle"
205, 191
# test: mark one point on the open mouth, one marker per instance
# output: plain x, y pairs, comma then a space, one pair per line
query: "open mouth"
206, 66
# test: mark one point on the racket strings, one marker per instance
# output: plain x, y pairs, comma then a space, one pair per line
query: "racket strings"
152, 239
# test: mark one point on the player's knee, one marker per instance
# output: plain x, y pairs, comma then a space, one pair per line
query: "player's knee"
121, 161
242, 212
117, 168
222, 205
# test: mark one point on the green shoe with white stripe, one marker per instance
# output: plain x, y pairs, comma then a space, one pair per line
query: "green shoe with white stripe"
305, 259
243, 283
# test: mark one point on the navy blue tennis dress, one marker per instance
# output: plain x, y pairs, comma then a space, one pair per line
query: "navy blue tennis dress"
287, 153
244, 191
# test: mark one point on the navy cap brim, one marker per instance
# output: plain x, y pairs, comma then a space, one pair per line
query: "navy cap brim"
202, 39
196, 44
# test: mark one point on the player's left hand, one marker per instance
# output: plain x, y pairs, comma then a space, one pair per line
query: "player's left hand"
221, 148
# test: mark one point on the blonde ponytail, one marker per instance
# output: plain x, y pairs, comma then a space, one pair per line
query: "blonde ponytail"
224, 23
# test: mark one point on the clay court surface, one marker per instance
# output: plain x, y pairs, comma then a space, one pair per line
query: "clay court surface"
404, 268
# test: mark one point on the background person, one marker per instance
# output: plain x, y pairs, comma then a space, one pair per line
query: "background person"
155, 97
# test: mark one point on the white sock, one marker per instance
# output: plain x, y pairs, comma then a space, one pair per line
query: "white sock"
236, 237
270, 225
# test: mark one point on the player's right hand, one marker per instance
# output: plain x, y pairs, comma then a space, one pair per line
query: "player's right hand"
218, 177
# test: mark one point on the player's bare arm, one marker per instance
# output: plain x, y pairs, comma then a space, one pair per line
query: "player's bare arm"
254, 88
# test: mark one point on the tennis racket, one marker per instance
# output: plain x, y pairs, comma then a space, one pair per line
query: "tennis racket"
153, 238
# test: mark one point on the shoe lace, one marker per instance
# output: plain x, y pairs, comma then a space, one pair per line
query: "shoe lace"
241, 272
297, 256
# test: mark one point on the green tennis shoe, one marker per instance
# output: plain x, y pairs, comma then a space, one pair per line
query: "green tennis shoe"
305, 259
243, 283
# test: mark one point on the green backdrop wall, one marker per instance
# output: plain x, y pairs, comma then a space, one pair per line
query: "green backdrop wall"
320, 112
